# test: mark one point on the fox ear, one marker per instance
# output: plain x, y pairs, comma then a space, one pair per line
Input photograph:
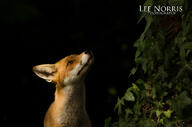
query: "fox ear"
45, 71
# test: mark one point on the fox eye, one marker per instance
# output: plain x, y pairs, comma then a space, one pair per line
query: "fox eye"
70, 62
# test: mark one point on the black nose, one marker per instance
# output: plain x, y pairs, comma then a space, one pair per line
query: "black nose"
87, 52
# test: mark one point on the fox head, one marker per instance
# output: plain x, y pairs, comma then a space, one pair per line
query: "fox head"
68, 70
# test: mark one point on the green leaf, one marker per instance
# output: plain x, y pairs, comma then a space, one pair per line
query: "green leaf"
141, 17
140, 81
164, 94
144, 66
135, 87
167, 113
129, 96
153, 93
107, 122
161, 121
147, 86
137, 107
180, 72
170, 85
148, 3
181, 102
176, 2
158, 113
138, 52
146, 123
133, 71
122, 122
149, 20
128, 112
120, 103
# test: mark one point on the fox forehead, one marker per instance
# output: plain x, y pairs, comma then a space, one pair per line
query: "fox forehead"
75, 57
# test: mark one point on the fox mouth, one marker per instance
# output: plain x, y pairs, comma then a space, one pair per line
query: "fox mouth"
86, 64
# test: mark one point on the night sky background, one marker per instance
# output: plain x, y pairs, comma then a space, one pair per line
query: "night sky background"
36, 32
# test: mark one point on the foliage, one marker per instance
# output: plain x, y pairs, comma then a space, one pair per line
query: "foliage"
162, 96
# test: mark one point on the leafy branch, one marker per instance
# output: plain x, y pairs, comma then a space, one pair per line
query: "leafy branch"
162, 96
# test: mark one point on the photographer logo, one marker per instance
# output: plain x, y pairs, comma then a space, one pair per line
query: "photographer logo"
160, 10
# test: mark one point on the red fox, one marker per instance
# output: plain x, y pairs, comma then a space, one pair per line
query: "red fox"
68, 108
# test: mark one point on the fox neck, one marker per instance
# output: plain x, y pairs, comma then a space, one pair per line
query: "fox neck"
70, 104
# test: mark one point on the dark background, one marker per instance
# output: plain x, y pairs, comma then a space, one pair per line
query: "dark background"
36, 32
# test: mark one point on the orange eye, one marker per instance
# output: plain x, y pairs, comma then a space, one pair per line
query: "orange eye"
70, 62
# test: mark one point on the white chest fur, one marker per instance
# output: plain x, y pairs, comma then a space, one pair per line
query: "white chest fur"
72, 109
